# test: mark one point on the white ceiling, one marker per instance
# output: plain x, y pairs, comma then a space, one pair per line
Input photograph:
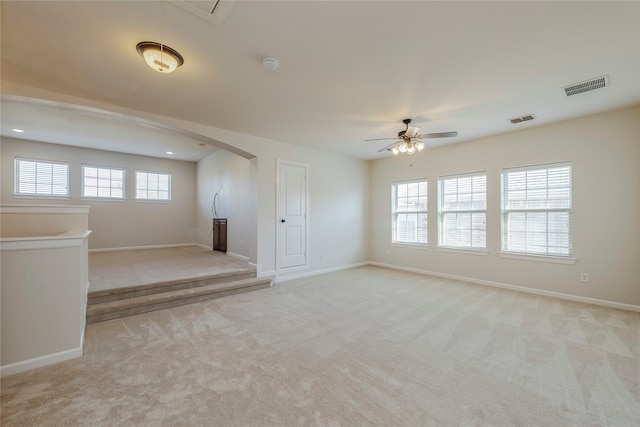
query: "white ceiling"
349, 70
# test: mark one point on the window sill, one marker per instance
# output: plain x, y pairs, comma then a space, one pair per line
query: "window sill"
409, 245
480, 252
539, 258
152, 201
102, 199
40, 196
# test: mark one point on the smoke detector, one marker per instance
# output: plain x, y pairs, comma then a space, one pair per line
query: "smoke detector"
270, 64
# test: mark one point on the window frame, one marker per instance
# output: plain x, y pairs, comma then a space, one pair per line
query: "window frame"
111, 169
504, 213
158, 175
442, 213
395, 212
17, 184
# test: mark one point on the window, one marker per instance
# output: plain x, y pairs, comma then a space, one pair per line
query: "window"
536, 210
462, 213
153, 186
101, 182
41, 178
409, 206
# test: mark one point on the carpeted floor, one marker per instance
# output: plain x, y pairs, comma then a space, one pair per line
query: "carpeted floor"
360, 347
134, 267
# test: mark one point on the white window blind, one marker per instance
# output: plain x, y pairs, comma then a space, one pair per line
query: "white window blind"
536, 210
462, 211
409, 206
41, 177
102, 182
153, 186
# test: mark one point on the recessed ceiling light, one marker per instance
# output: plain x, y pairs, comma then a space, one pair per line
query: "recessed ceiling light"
17, 130
169, 152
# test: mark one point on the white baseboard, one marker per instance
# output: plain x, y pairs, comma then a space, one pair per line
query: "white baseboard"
280, 278
560, 295
238, 256
38, 362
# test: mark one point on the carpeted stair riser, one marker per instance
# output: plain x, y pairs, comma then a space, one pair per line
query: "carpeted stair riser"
181, 297
109, 295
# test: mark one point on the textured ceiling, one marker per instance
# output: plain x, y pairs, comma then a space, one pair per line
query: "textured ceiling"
349, 70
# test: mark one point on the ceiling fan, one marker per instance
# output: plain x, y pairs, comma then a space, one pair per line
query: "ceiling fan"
408, 140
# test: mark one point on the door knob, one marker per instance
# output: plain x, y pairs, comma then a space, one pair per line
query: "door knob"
282, 220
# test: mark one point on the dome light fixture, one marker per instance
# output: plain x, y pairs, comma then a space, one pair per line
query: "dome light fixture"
160, 57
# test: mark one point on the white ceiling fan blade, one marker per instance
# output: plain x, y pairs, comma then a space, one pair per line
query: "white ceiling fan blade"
388, 146
378, 139
437, 135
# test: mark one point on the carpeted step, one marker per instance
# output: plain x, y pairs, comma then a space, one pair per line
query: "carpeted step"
157, 301
108, 295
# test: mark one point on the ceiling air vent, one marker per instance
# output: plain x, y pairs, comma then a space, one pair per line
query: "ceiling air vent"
592, 84
214, 11
522, 119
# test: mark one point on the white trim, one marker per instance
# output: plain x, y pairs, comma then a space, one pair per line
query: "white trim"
418, 246
38, 362
42, 196
238, 256
539, 258
62, 240
559, 295
43, 209
104, 199
280, 278
470, 251
200, 245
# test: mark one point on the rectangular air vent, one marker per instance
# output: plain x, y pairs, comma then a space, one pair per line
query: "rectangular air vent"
592, 84
522, 119
214, 11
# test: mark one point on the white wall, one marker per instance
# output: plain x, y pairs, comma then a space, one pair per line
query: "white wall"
44, 286
232, 177
605, 153
338, 199
114, 224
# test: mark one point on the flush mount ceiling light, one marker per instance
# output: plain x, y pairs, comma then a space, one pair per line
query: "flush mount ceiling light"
160, 57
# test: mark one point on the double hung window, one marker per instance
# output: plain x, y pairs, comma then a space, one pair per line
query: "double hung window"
536, 210
462, 211
409, 206
41, 178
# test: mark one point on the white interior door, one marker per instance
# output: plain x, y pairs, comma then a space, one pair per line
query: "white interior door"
292, 215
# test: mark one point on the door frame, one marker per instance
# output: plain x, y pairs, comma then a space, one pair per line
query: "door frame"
279, 163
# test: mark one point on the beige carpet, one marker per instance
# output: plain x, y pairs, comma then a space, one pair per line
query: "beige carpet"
124, 268
360, 347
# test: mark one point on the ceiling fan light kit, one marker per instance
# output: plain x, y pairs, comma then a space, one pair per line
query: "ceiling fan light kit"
409, 139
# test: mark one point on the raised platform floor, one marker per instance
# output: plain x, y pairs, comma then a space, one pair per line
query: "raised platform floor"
129, 282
